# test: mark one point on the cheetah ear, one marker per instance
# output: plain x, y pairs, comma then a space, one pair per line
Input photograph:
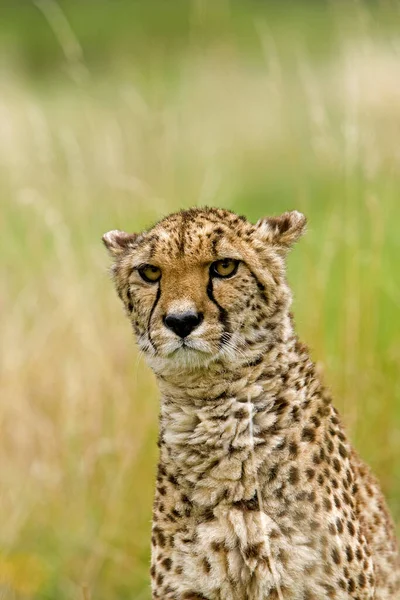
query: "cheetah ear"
282, 231
117, 241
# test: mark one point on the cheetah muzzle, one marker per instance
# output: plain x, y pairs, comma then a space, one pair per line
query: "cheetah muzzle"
259, 493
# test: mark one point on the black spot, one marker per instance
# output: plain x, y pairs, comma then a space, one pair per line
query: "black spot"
330, 446
207, 515
349, 554
294, 475
130, 303
241, 413
336, 556
308, 434
217, 546
260, 286
347, 499
336, 501
315, 420
295, 414
280, 405
206, 566
362, 580
273, 473
310, 474
257, 361
172, 479
337, 465
247, 505
253, 550
351, 585
351, 528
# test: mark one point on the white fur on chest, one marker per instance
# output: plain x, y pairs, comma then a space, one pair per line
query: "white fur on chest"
242, 556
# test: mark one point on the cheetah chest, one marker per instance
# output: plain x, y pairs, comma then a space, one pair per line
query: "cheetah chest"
236, 555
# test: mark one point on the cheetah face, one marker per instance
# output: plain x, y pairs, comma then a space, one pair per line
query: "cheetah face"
202, 285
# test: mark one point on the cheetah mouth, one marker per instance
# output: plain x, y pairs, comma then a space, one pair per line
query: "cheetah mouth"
201, 350
191, 352
187, 347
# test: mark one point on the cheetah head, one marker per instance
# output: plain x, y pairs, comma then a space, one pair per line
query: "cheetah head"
204, 284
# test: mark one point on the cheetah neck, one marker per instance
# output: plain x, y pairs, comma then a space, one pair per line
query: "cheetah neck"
219, 425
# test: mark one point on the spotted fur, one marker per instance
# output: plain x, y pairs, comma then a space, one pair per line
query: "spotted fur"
259, 492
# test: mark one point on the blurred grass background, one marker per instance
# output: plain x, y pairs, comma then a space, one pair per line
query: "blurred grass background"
114, 113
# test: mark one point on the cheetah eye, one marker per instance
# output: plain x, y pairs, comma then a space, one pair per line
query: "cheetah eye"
150, 273
224, 268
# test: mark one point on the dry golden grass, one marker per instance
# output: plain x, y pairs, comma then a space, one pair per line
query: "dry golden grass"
78, 407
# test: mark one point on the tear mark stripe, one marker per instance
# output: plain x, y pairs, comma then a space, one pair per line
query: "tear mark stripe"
223, 313
158, 295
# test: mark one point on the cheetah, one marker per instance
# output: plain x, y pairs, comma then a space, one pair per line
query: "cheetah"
259, 492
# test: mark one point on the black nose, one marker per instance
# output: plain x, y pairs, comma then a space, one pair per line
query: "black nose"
183, 323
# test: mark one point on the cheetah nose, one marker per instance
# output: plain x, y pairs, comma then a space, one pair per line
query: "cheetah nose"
183, 323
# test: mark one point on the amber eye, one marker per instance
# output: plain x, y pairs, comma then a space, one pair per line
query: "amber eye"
224, 268
150, 273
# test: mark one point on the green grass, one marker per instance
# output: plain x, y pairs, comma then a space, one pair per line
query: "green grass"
243, 106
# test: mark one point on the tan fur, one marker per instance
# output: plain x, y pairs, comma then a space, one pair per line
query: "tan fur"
259, 493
